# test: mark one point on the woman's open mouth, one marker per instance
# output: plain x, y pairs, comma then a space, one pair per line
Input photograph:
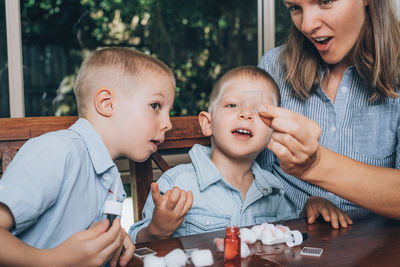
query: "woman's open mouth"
322, 43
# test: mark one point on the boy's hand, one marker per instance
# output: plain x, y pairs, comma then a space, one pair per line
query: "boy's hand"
92, 247
127, 249
169, 210
316, 206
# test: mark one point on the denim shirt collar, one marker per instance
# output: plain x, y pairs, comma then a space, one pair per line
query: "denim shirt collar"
264, 180
208, 173
205, 169
97, 150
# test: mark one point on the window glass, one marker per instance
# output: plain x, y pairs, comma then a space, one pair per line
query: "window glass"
199, 40
4, 97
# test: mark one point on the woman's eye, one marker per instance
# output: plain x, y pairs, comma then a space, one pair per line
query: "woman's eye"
293, 8
155, 106
325, 2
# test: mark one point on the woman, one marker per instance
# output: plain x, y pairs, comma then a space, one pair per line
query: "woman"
340, 69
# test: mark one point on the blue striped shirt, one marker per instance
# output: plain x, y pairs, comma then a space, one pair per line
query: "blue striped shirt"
352, 126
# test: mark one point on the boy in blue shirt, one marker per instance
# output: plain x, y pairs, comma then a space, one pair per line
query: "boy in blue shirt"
228, 186
57, 184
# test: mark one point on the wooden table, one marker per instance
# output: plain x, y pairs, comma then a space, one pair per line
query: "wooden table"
371, 241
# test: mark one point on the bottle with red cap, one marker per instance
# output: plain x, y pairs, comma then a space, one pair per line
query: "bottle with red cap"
232, 246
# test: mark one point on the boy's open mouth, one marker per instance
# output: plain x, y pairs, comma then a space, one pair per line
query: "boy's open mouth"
243, 132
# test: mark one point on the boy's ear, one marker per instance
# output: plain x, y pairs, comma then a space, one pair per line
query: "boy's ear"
104, 102
205, 123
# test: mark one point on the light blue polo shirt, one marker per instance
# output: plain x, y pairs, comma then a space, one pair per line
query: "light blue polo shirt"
216, 203
57, 185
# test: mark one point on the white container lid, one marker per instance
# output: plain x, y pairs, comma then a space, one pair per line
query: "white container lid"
297, 239
113, 207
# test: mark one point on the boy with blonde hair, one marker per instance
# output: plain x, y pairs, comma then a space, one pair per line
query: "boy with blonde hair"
228, 186
57, 184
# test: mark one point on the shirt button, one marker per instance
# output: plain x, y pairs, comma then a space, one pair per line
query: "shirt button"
344, 89
333, 129
106, 176
207, 223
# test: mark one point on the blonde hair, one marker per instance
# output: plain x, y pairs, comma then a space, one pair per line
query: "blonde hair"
376, 55
113, 68
252, 72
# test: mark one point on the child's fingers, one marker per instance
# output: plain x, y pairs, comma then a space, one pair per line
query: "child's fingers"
325, 213
348, 219
311, 214
188, 203
95, 230
155, 193
185, 203
180, 203
334, 219
115, 257
344, 218
129, 249
173, 199
109, 242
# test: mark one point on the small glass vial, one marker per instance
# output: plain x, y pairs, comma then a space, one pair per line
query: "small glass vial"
232, 246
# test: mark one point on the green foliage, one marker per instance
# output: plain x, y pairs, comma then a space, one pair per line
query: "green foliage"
199, 40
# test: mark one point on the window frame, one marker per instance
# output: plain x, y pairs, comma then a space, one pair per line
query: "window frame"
14, 58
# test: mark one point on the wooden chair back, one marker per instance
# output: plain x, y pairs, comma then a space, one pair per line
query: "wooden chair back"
186, 132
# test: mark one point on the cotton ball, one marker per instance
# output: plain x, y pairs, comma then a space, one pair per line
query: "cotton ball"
219, 243
153, 261
176, 258
282, 231
257, 230
247, 236
268, 234
244, 250
202, 257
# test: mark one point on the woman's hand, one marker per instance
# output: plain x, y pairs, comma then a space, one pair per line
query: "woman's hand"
294, 140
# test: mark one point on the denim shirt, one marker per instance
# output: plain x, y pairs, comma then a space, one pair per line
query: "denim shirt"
366, 131
216, 203
57, 184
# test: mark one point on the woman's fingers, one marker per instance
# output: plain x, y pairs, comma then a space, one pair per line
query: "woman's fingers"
295, 140
291, 123
286, 146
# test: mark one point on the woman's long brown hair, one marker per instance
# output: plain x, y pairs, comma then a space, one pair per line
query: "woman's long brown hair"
376, 55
